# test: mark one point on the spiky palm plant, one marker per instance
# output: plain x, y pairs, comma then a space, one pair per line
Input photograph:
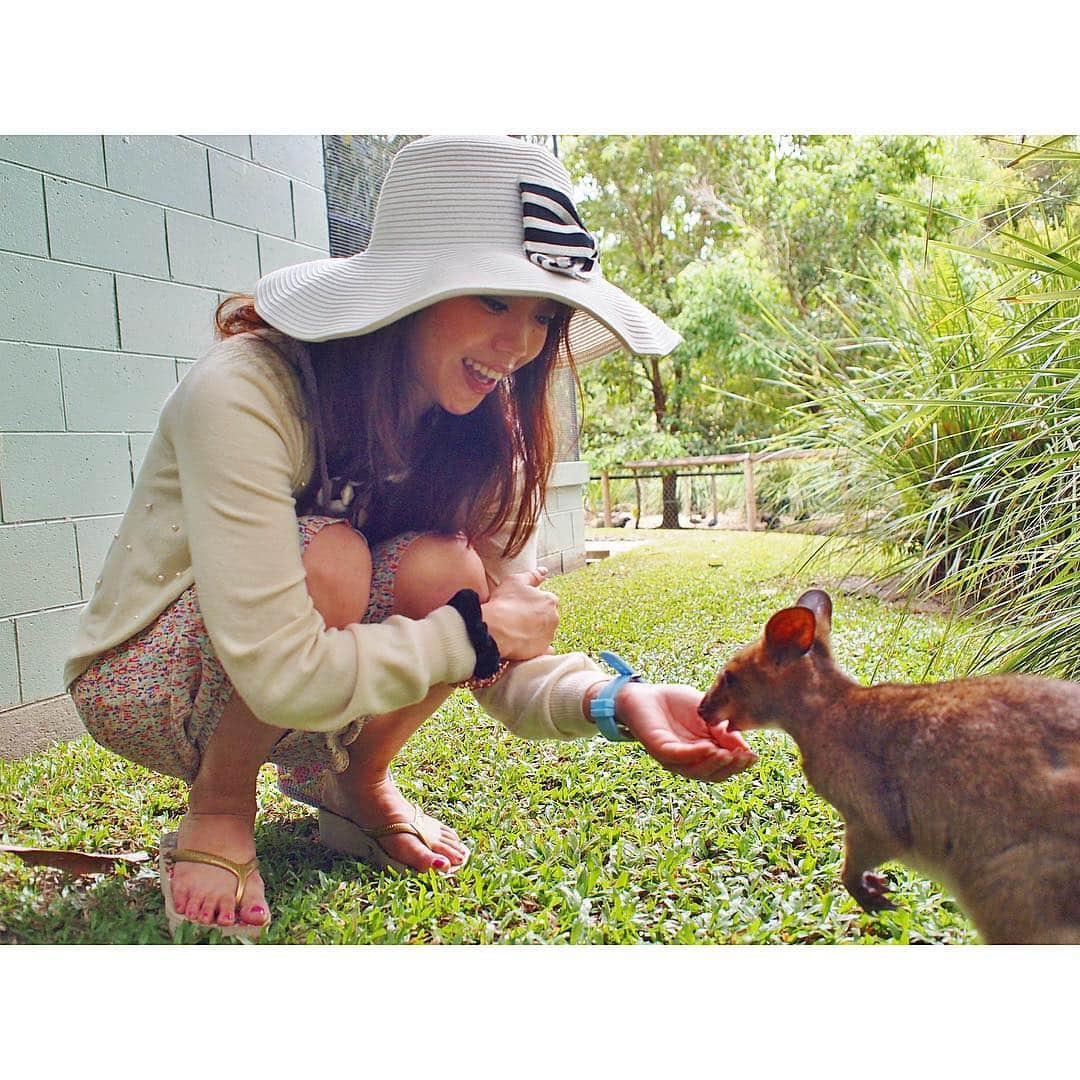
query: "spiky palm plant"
957, 401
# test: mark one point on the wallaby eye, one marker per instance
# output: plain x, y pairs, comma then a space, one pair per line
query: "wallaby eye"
728, 682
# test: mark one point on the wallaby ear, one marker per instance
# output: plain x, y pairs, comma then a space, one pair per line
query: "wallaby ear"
789, 633
820, 604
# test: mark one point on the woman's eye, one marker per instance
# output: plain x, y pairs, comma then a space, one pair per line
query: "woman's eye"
493, 303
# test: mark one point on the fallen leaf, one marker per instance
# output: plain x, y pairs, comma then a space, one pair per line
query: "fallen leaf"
74, 862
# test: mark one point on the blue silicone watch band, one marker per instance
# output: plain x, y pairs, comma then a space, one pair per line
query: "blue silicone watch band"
602, 707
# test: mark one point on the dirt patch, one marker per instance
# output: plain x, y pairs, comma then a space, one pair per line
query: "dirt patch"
888, 589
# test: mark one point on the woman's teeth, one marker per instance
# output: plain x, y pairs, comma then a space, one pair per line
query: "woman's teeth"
490, 374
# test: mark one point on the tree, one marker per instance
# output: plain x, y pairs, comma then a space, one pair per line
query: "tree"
636, 198
811, 207
727, 401
709, 230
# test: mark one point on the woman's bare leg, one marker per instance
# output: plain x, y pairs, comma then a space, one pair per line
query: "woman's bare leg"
221, 809
221, 820
221, 804
432, 569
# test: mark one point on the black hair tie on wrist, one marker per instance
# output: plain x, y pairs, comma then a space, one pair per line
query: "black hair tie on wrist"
466, 603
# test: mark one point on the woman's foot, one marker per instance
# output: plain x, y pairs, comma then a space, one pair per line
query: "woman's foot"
207, 894
374, 803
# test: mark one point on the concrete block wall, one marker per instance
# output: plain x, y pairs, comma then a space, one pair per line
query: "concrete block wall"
562, 526
115, 251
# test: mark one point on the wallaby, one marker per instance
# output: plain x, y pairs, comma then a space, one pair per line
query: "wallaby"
975, 782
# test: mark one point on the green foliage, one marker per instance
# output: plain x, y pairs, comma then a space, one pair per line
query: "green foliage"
725, 402
791, 491
812, 205
573, 842
636, 196
708, 231
959, 407
609, 448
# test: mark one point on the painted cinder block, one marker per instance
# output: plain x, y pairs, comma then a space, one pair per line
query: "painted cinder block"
52, 303
80, 157
9, 666
44, 641
115, 391
553, 562
37, 727
573, 559
566, 473
577, 527
163, 169
567, 497
38, 567
275, 253
183, 367
211, 253
299, 156
163, 318
94, 536
63, 475
99, 228
247, 194
240, 145
309, 213
558, 534
30, 396
22, 211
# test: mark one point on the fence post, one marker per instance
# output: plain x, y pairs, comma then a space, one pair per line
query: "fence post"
751, 496
712, 489
605, 481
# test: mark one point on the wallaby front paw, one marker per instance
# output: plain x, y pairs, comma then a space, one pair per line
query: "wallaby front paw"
872, 892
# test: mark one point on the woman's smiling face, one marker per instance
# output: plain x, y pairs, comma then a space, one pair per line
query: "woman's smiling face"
461, 349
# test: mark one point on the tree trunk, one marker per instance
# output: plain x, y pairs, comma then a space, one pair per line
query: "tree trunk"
671, 502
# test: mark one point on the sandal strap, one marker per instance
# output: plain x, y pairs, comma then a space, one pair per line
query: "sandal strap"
395, 827
242, 871
410, 827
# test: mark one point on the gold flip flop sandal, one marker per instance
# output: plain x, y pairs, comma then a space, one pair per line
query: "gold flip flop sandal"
169, 854
346, 836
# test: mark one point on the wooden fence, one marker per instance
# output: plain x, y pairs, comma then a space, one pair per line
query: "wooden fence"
712, 467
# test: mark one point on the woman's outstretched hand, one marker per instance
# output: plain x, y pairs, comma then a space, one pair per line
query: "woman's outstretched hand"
664, 719
521, 617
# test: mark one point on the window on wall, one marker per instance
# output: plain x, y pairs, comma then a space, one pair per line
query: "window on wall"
355, 168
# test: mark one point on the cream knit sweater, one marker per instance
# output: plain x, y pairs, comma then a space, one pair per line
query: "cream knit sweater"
214, 503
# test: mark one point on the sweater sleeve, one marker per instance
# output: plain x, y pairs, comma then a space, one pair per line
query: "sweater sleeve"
237, 445
539, 698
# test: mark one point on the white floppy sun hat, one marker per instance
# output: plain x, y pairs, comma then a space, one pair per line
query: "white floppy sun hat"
459, 216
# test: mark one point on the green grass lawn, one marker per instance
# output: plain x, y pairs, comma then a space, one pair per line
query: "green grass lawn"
579, 842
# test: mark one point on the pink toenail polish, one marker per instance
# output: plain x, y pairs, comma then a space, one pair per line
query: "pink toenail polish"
441, 864
256, 910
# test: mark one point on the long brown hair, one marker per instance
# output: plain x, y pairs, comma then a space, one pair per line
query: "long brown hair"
444, 474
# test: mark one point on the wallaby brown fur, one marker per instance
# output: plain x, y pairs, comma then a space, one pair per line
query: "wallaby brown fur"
974, 782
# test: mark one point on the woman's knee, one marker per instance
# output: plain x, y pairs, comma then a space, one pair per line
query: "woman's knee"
433, 568
338, 567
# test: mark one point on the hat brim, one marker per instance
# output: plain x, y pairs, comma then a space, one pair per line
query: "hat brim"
344, 297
